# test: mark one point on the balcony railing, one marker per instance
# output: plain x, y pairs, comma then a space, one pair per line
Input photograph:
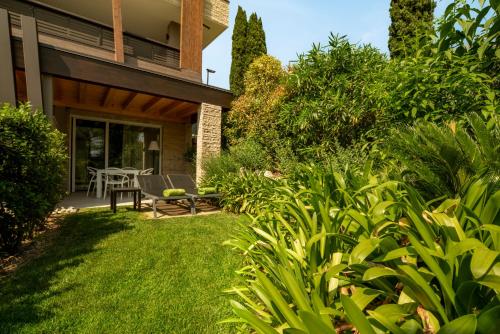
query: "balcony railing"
79, 30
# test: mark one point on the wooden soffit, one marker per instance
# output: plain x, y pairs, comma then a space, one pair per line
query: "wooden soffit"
78, 67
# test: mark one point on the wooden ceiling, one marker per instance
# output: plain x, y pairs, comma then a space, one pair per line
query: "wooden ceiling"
85, 96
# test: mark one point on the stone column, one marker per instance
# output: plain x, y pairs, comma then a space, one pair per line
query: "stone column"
209, 135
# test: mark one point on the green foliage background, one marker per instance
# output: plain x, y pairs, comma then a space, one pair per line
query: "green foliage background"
385, 217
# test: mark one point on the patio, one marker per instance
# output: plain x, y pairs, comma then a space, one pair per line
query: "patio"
79, 200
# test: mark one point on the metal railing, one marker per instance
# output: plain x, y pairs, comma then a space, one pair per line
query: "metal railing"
76, 29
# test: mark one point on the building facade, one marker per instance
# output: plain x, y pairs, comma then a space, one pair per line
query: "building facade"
121, 78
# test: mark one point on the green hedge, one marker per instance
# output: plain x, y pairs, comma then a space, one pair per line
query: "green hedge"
32, 167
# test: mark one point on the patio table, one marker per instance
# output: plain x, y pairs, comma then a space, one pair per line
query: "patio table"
101, 172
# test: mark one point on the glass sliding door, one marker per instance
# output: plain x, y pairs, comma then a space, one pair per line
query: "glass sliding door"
129, 146
102, 144
89, 150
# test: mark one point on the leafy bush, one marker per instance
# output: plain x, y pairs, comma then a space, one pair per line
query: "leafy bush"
330, 258
247, 192
439, 87
332, 96
466, 29
32, 170
253, 115
249, 154
215, 169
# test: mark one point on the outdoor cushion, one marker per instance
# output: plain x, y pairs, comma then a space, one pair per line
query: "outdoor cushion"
174, 192
207, 190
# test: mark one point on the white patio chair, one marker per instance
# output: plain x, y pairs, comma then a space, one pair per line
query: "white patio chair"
130, 175
115, 178
93, 181
148, 171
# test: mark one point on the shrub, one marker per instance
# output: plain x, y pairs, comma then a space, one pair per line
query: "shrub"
32, 167
253, 115
438, 87
249, 154
334, 257
215, 168
248, 192
332, 95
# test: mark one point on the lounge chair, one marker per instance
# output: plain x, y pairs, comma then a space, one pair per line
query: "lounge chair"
152, 187
185, 181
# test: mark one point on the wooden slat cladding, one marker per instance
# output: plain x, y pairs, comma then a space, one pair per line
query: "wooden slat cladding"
191, 35
67, 93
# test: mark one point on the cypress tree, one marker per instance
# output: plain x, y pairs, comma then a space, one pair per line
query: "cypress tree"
238, 63
256, 40
262, 38
409, 19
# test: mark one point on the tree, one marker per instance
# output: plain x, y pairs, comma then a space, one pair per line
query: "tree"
256, 40
409, 20
238, 64
253, 114
249, 42
262, 38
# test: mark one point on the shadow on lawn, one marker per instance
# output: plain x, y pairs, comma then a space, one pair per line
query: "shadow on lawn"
23, 292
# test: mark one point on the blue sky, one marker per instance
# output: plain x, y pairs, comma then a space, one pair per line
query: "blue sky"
292, 26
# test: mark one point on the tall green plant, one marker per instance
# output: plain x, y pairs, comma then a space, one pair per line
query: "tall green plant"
410, 19
238, 62
256, 39
334, 257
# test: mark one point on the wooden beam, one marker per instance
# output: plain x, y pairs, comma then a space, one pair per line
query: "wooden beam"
186, 111
179, 107
129, 100
118, 30
8, 85
191, 39
151, 103
31, 61
98, 71
108, 97
169, 107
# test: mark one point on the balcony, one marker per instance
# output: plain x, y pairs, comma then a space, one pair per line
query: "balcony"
84, 36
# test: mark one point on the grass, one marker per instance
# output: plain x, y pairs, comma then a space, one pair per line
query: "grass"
119, 273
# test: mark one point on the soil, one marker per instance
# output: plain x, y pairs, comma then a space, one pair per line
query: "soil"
32, 248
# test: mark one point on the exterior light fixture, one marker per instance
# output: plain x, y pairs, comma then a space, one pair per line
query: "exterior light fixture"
208, 73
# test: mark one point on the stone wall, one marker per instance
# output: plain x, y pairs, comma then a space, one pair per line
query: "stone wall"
217, 11
174, 147
209, 135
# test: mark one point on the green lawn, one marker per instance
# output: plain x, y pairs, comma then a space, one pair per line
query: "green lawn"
108, 273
